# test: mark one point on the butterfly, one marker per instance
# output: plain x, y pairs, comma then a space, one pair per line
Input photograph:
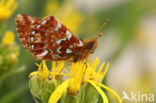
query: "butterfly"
48, 39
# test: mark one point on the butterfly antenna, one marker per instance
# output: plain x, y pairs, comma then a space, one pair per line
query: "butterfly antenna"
103, 25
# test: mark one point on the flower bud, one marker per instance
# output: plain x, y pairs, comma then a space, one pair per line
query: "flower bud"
35, 86
43, 89
48, 87
91, 94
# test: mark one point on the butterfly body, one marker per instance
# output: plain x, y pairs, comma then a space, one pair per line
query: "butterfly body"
48, 39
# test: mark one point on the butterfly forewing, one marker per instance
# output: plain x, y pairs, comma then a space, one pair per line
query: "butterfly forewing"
24, 24
47, 38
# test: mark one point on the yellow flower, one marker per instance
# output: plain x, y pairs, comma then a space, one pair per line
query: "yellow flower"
8, 39
86, 73
66, 13
43, 71
56, 70
43, 82
7, 7
56, 95
76, 75
91, 71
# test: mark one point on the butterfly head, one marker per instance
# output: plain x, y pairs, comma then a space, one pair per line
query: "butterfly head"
89, 47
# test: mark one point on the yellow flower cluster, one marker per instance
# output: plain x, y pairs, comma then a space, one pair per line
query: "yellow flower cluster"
9, 40
78, 74
9, 50
7, 7
9, 53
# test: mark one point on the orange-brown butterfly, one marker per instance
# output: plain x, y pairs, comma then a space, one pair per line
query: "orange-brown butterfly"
48, 39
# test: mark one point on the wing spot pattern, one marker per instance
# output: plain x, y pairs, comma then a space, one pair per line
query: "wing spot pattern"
32, 47
70, 46
58, 23
58, 50
44, 21
58, 26
68, 51
80, 43
38, 26
68, 34
43, 53
33, 32
60, 40
31, 39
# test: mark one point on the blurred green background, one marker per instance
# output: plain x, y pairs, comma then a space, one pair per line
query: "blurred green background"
128, 43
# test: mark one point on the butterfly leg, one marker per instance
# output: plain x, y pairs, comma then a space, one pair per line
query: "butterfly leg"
63, 66
84, 72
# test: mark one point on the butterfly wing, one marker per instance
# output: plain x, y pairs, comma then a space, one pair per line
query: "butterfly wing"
24, 24
48, 39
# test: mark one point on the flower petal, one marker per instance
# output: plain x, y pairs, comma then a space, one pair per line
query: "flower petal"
9, 3
104, 97
106, 69
33, 73
105, 87
56, 95
2, 2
